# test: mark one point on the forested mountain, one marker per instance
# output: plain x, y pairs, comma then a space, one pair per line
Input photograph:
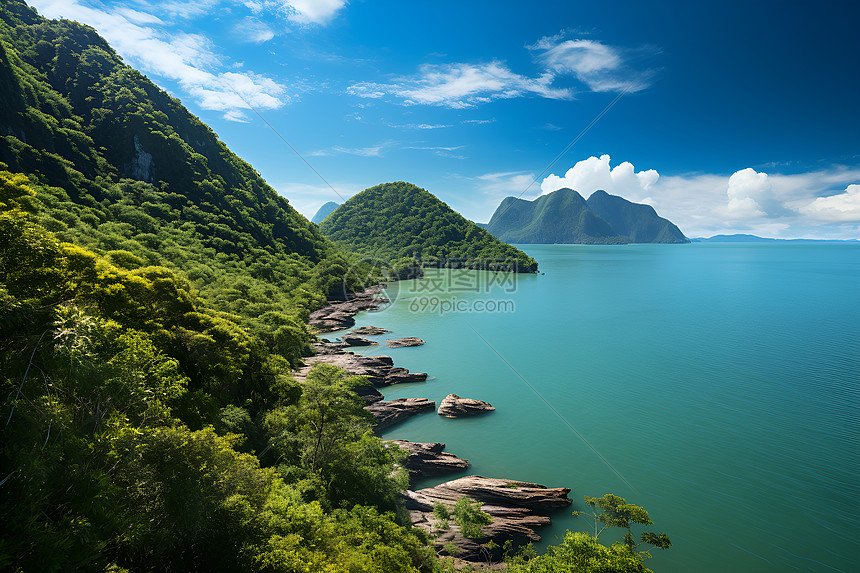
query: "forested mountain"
324, 212
559, 217
153, 295
564, 217
639, 223
402, 223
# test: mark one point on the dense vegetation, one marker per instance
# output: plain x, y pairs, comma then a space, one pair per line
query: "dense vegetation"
564, 217
122, 168
406, 225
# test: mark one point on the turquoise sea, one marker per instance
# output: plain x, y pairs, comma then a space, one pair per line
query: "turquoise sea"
717, 385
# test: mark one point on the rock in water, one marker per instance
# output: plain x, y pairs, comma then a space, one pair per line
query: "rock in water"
338, 315
517, 508
429, 459
357, 341
369, 331
388, 413
380, 370
453, 406
402, 342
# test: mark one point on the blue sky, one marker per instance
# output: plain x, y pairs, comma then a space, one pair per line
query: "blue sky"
726, 117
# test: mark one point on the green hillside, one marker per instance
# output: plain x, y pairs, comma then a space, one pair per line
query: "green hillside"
559, 217
153, 295
639, 223
400, 222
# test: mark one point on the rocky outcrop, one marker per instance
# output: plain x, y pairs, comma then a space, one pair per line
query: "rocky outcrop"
403, 342
379, 370
369, 394
338, 315
357, 341
426, 460
454, 407
388, 413
369, 331
518, 509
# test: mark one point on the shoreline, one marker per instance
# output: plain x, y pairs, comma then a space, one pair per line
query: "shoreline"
518, 508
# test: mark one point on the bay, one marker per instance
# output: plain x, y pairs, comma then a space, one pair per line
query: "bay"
717, 385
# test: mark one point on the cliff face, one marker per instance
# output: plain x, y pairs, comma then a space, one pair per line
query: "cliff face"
563, 216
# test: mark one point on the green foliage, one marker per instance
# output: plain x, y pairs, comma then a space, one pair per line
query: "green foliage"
468, 515
404, 224
583, 552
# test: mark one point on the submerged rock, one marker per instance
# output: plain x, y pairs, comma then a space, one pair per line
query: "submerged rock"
403, 342
426, 460
388, 413
518, 509
453, 406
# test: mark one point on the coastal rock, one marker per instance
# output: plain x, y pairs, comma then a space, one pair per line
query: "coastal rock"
379, 370
357, 341
426, 460
369, 394
388, 413
338, 315
453, 406
369, 331
517, 508
403, 342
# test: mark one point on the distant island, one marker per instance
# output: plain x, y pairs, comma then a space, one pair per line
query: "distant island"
565, 217
324, 212
744, 238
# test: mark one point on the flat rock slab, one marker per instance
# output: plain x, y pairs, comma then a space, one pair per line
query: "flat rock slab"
454, 407
357, 341
429, 459
379, 370
403, 342
518, 509
369, 331
338, 314
388, 413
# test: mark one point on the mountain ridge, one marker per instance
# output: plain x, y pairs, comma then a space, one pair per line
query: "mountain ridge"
565, 217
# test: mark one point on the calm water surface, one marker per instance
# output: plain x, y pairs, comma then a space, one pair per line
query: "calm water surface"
721, 381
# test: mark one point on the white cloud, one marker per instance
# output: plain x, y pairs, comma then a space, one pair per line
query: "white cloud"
514, 183
842, 207
300, 11
421, 126
746, 188
189, 59
597, 65
254, 31
462, 85
702, 204
594, 173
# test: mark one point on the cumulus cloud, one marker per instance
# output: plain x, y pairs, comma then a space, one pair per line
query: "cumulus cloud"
188, 59
594, 173
842, 207
746, 187
747, 201
460, 86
